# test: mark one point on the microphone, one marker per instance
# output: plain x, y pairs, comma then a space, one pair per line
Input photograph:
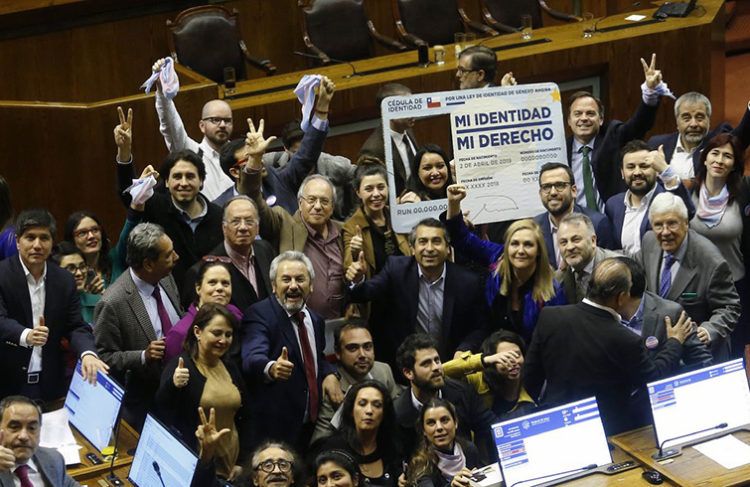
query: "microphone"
591, 466
112, 478
313, 56
673, 452
155, 464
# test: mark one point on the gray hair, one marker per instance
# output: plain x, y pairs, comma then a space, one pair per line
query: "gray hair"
240, 197
579, 219
667, 202
692, 97
312, 177
611, 278
293, 256
143, 244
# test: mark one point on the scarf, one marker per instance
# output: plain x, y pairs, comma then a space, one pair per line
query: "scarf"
450, 464
711, 208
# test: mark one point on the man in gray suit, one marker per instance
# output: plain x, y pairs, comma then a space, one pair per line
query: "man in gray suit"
355, 352
134, 315
22, 461
645, 314
576, 238
685, 267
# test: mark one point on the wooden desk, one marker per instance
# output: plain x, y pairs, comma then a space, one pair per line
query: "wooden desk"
86, 470
690, 468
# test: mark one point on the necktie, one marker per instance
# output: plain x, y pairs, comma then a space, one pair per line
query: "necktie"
166, 323
581, 287
22, 472
666, 275
588, 179
409, 150
310, 373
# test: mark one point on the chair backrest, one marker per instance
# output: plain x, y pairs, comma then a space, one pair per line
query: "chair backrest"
434, 21
509, 12
338, 28
207, 39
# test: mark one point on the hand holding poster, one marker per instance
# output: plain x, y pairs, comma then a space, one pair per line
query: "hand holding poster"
501, 137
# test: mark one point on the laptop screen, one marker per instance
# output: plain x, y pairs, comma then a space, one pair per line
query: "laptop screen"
161, 459
93, 410
700, 400
543, 445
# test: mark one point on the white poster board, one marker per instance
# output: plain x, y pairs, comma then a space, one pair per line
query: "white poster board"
501, 137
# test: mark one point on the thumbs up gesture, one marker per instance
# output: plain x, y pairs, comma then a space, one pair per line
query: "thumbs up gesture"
356, 270
38, 336
355, 243
181, 374
7, 457
282, 367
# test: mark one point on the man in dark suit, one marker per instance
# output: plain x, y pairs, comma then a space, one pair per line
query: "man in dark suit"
558, 191
646, 174
39, 306
424, 293
282, 356
22, 461
645, 314
402, 139
134, 315
583, 350
682, 149
683, 266
248, 258
476, 68
419, 362
594, 147
579, 249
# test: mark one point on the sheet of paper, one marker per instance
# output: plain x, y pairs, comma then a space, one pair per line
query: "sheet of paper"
56, 433
727, 451
635, 17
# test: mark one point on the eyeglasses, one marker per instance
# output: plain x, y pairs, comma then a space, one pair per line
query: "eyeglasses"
85, 231
76, 268
547, 187
237, 222
218, 120
462, 71
268, 465
672, 226
216, 258
311, 200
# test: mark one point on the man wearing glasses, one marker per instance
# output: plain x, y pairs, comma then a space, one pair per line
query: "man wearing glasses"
476, 69
216, 127
557, 190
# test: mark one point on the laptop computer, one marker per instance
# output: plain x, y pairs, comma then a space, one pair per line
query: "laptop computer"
161, 459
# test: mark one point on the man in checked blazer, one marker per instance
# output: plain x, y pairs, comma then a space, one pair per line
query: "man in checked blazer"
133, 316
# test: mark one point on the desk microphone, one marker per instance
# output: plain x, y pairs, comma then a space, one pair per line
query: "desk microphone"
567, 472
112, 478
673, 452
155, 464
313, 56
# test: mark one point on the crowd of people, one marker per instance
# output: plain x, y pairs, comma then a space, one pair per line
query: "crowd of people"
212, 306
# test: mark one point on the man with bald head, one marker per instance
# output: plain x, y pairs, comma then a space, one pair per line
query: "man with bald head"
216, 127
583, 350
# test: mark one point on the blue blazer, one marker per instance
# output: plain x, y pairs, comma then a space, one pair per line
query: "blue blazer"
487, 253
615, 210
670, 140
602, 228
278, 407
62, 315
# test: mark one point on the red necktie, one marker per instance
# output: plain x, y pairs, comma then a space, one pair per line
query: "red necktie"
310, 373
22, 472
166, 323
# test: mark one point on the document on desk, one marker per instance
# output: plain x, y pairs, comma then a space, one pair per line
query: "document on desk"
56, 433
727, 451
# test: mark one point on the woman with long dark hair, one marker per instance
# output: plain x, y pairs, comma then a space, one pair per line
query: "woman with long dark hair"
430, 175
336, 468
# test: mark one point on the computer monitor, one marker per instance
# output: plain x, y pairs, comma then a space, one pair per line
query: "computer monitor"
93, 410
701, 403
161, 459
553, 444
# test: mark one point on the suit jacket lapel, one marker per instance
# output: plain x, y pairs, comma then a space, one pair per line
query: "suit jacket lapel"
652, 260
22, 291
684, 275
285, 324
449, 299
299, 232
412, 289
650, 316
139, 309
547, 232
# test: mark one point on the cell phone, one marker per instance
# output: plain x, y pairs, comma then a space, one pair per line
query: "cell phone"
477, 477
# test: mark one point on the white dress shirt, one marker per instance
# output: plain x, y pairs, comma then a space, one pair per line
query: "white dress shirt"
35, 476
37, 293
682, 160
430, 305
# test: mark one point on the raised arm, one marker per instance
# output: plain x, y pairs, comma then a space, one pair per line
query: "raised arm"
170, 122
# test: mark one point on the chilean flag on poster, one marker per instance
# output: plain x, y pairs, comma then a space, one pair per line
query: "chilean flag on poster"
433, 102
